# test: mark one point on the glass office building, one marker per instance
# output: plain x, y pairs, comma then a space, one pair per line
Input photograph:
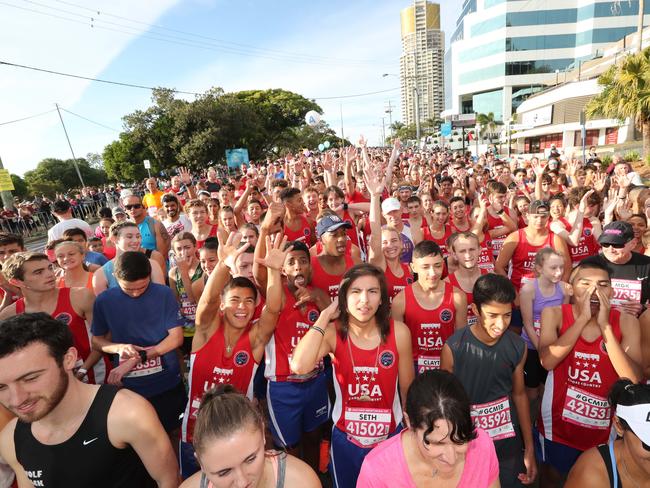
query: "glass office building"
503, 51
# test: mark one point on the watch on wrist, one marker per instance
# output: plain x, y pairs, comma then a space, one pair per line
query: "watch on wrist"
345, 206
143, 356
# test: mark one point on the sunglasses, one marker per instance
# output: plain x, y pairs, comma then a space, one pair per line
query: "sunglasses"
131, 207
615, 246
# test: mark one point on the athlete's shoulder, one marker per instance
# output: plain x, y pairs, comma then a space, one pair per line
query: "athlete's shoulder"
589, 470
298, 473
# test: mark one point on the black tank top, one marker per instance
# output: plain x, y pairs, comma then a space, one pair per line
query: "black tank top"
609, 458
86, 459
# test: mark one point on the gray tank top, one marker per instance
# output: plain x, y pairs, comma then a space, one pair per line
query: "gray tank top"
280, 475
486, 371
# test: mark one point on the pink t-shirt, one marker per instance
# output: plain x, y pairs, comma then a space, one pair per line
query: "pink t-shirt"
385, 465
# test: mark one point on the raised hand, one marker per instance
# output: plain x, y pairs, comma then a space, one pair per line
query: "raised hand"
537, 167
229, 251
583, 201
373, 184
362, 141
273, 217
275, 252
600, 179
185, 175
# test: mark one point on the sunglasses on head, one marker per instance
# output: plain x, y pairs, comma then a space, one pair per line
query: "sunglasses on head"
132, 206
615, 246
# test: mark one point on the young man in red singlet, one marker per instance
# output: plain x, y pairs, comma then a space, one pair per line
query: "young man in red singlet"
499, 221
431, 308
228, 346
329, 267
296, 224
33, 274
465, 249
585, 346
298, 404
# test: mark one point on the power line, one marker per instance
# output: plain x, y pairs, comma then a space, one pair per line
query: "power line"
96, 23
27, 118
88, 120
52, 72
192, 34
131, 85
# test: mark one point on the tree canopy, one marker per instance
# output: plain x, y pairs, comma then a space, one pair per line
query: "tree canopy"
174, 132
56, 175
626, 93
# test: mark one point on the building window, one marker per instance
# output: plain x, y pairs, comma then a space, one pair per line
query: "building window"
482, 74
487, 102
489, 25
481, 51
591, 138
542, 17
515, 68
538, 144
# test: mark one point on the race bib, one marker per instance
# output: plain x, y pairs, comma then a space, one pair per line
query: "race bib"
151, 366
537, 325
188, 309
625, 290
366, 427
586, 409
494, 418
488, 266
425, 363
497, 244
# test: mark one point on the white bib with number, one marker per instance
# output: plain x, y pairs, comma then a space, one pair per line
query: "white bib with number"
495, 418
366, 427
586, 409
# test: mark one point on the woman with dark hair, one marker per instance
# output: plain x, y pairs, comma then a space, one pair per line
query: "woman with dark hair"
440, 446
624, 462
229, 444
371, 358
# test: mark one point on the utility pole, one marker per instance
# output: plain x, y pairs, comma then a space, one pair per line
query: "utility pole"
74, 159
639, 26
389, 111
7, 196
383, 132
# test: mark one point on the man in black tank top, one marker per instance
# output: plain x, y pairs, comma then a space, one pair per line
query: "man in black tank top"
68, 433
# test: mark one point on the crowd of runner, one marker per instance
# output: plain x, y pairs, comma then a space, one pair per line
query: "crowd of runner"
362, 317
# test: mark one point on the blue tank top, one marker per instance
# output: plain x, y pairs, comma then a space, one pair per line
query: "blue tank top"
111, 281
148, 239
540, 302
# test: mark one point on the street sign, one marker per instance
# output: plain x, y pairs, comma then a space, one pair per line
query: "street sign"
6, 184
147, 164
445, 129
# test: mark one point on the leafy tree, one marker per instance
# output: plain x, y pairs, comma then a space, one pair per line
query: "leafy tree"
404, 132
626, 93
61, 175
123, 159
488, 125
20, 187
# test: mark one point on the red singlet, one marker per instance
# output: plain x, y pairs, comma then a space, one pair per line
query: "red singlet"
367, 406
587, 246
430, 328
325, 281
395, 284
64, 312
523, 259
574, 409
210, 367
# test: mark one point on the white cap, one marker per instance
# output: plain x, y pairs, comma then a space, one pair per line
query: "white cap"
389, 205
638, 418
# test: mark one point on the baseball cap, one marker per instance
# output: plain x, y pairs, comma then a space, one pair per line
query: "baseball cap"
118, 211
539, 207
390, 204
331, 223
617, 232
638, 419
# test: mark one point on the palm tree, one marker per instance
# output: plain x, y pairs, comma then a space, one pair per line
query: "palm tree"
626, 93
488, 124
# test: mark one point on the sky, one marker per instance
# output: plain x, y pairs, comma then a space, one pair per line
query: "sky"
318, 49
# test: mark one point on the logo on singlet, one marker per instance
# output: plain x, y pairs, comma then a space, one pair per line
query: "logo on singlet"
446, 315
306, 231
409, 280
241, 358
386, 359
85, 443
312, 316
587, 232
64, 317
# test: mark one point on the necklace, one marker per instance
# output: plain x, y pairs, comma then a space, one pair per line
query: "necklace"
362, 398
627, 473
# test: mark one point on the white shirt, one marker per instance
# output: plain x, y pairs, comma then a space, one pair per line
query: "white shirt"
56, 232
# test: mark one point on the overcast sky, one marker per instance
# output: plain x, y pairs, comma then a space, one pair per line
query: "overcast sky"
316, 48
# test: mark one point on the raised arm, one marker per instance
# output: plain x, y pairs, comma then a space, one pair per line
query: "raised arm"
318, 341
375, 187
272, 224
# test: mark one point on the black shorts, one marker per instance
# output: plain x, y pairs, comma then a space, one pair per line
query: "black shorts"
169, 406
534, 372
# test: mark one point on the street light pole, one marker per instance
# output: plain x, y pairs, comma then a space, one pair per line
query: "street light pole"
417, 112
478, 132
639, 27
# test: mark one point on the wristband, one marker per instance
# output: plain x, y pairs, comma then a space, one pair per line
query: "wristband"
143, 356
345, 206
316, 328
81, 372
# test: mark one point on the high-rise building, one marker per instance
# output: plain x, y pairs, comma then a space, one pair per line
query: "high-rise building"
503, 51
421, 62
